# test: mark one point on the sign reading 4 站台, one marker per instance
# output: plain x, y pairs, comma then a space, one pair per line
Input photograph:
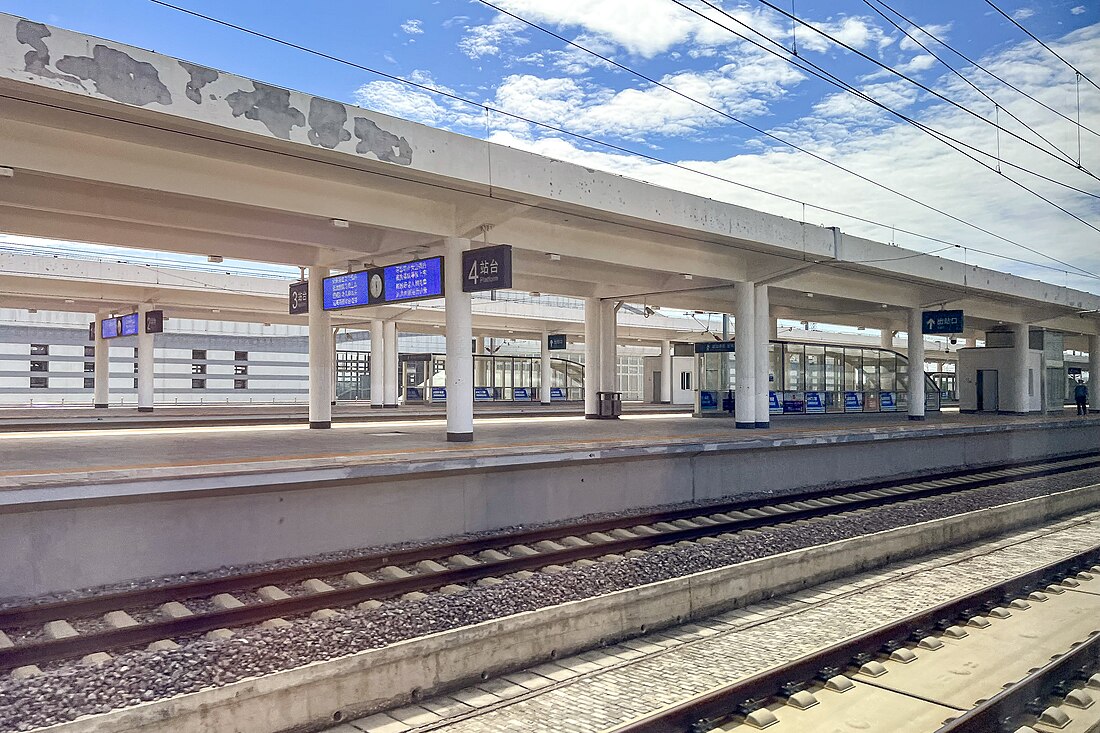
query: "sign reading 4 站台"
487, 268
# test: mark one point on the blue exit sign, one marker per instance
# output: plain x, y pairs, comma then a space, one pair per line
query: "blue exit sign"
940, 322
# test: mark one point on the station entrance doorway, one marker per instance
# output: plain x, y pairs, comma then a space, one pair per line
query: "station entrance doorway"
986, 383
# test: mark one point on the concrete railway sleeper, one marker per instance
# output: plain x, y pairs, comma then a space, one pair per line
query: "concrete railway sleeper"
523, 552
1068, 680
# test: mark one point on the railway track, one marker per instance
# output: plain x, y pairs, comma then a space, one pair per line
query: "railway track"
90, 627
748, 704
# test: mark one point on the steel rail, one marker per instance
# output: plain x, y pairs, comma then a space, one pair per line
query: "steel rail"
76, 646
720, 704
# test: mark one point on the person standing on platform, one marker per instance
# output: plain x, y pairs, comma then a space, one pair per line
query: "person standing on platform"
1081, 396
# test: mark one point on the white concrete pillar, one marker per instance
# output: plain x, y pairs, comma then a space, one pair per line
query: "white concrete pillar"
391, 373
102, 392
145, 364
666, 373
773, 329
886, 338
547, 375
763, 327
745, 325
377, 363
460, 335
915, 337
320, 352
593, 322
1094, 373
609, 336
1021, 400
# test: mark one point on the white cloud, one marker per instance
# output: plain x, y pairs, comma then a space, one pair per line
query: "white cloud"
412, 26
1078, 10
491, 39
923, 62
924, 35
859, 33
402, 100
1023, 14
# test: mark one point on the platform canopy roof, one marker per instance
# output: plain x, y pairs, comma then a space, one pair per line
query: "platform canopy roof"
116, 145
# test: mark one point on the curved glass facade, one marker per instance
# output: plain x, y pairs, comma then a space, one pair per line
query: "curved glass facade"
814, 378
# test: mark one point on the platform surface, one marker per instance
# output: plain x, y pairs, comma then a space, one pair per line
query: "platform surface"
82, 455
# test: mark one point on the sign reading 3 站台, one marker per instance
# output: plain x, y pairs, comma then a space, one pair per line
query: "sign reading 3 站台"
487, 268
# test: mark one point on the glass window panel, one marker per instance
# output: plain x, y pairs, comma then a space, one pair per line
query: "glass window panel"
887, 373
853, 370
870, 370
775, 367
815, 368
793, 373
834, 369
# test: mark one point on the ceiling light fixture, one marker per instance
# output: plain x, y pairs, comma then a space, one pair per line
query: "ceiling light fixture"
340, 223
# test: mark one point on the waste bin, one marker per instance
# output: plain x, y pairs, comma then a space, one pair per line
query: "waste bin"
609, 405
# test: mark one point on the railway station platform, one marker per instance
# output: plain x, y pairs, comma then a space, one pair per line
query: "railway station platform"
127, 503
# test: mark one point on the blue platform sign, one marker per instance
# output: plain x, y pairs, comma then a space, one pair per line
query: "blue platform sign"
853, 402
439, 394
127, 325
405, 281
774, 408
555, 341
708, 400
815, 403
711, 347
791, 403
482, 394
556, 394
933, 322
887, 402
413, 394
521, 393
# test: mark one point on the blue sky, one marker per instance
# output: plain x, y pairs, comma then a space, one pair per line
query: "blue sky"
471, 49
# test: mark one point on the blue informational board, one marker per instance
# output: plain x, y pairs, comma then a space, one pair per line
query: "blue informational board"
555, 341
792, 404
521, 393
127, 325
708, 400
405, 281
774, 408
482, 394
887, 402
556, 394
413, 394
853, 402
933, 322
439, 394
815, 403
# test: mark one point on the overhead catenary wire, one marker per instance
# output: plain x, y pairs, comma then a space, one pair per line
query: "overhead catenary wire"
916, 83
1040, 42
804, 64
450, 95
781, 140
959, 74
983, 69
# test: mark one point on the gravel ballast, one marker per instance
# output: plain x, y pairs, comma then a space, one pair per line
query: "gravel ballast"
70, 691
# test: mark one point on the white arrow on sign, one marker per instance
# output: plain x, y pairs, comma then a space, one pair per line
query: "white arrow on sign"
931, 323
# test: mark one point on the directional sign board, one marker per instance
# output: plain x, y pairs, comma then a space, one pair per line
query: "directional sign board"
711, 347
934, 322
299, 298
121, 326
403, 282
487, 268
555, 341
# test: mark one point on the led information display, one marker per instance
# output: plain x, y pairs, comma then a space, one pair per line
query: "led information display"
406, 281
121, 326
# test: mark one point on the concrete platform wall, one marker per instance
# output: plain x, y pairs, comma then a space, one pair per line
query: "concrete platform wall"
74, 544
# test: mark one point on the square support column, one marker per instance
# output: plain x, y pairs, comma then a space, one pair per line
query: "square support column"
145, 364
760, 332
1021, 343
1094, 373
320, 353
745, 333
593, 322
547, 374
609, 336
377, 364
102, 392
390, 356
665, 397
916, 365
460, 335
